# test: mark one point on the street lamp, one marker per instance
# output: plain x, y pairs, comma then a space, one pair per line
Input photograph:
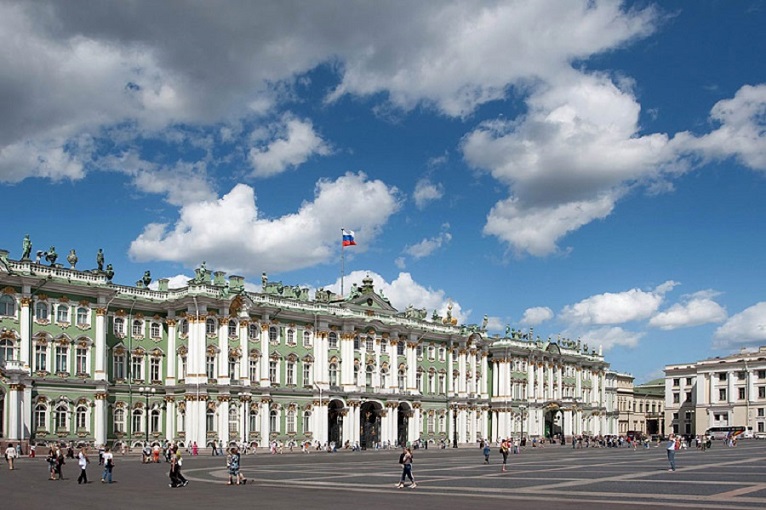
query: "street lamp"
146, 391
454, 426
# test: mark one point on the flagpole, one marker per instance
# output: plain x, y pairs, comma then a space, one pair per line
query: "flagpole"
342, 262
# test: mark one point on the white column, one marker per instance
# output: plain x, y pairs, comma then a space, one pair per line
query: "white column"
560, 382
472, 365
263, 412
100, 418
540, 381
578, 383
100, 351
412, 365
530, 380
451, 390
549, 369
264, 361
223, 419
347, 361
484, 390
26, 332
462, 371
172, 356
244, 359
170, 418
415, 424
223, 352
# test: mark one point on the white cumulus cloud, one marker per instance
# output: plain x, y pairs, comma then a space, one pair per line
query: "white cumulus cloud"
745, 328
694, 310
292, 143
536, 315
232, 234
615, 308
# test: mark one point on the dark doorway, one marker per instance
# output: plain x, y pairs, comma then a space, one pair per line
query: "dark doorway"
335, 422
369, 420
402, 425
554, 422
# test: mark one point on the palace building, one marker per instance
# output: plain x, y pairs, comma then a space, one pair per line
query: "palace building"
86, 360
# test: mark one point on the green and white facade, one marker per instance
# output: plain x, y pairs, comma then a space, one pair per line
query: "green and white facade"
84, 359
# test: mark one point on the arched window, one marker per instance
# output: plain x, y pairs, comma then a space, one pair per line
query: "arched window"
155, 330
356, 343
383, 377
7, 350
82, 316
154, 420
306, 339
61, 416
184, 327
356, 374
62, 313
41, 417
332, 340
369, 344
119, 420
368, 375
254, 422
119, 326
81, 360
291, 421
210, 420
306, 421
210, 326
291, 337
41, 311
273, 421
233, 329
273, 335
138, 327
81, 417
7, 306
233, 420
333, 373
137, 421
402, 378
253, 331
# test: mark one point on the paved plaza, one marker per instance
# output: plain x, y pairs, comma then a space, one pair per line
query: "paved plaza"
554, 477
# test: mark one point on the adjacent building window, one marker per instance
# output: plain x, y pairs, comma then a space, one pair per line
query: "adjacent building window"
676, 398
137, 368
741, 393
721, 394
253, 370
210, 366
761, 391
290, 373
307, 374
722, 376
332, 340
41, 417
273, 372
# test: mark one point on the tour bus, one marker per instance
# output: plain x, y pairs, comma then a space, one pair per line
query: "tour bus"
729, 431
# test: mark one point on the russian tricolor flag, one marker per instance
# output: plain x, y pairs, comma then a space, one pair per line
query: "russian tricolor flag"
348, 237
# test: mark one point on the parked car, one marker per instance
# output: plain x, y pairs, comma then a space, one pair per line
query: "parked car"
759, 435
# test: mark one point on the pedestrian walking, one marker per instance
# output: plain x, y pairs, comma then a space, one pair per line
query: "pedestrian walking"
82, 461
405, 459
106, 477
10, 455
233, 463
671, 448
179, 465
174, 480
60, 461
504, 449
486, 452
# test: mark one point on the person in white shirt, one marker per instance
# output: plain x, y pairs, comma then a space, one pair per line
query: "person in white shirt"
671, 449
82, 461
10, 455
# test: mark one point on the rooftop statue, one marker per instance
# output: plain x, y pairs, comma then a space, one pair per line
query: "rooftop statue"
51, 255
203, 271
264, 279
147, 279
109, 272
26, 248
72, 258
100, 259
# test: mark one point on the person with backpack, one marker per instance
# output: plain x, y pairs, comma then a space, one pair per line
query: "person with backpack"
405, 459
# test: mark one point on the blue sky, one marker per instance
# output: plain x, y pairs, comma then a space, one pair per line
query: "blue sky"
593, 170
